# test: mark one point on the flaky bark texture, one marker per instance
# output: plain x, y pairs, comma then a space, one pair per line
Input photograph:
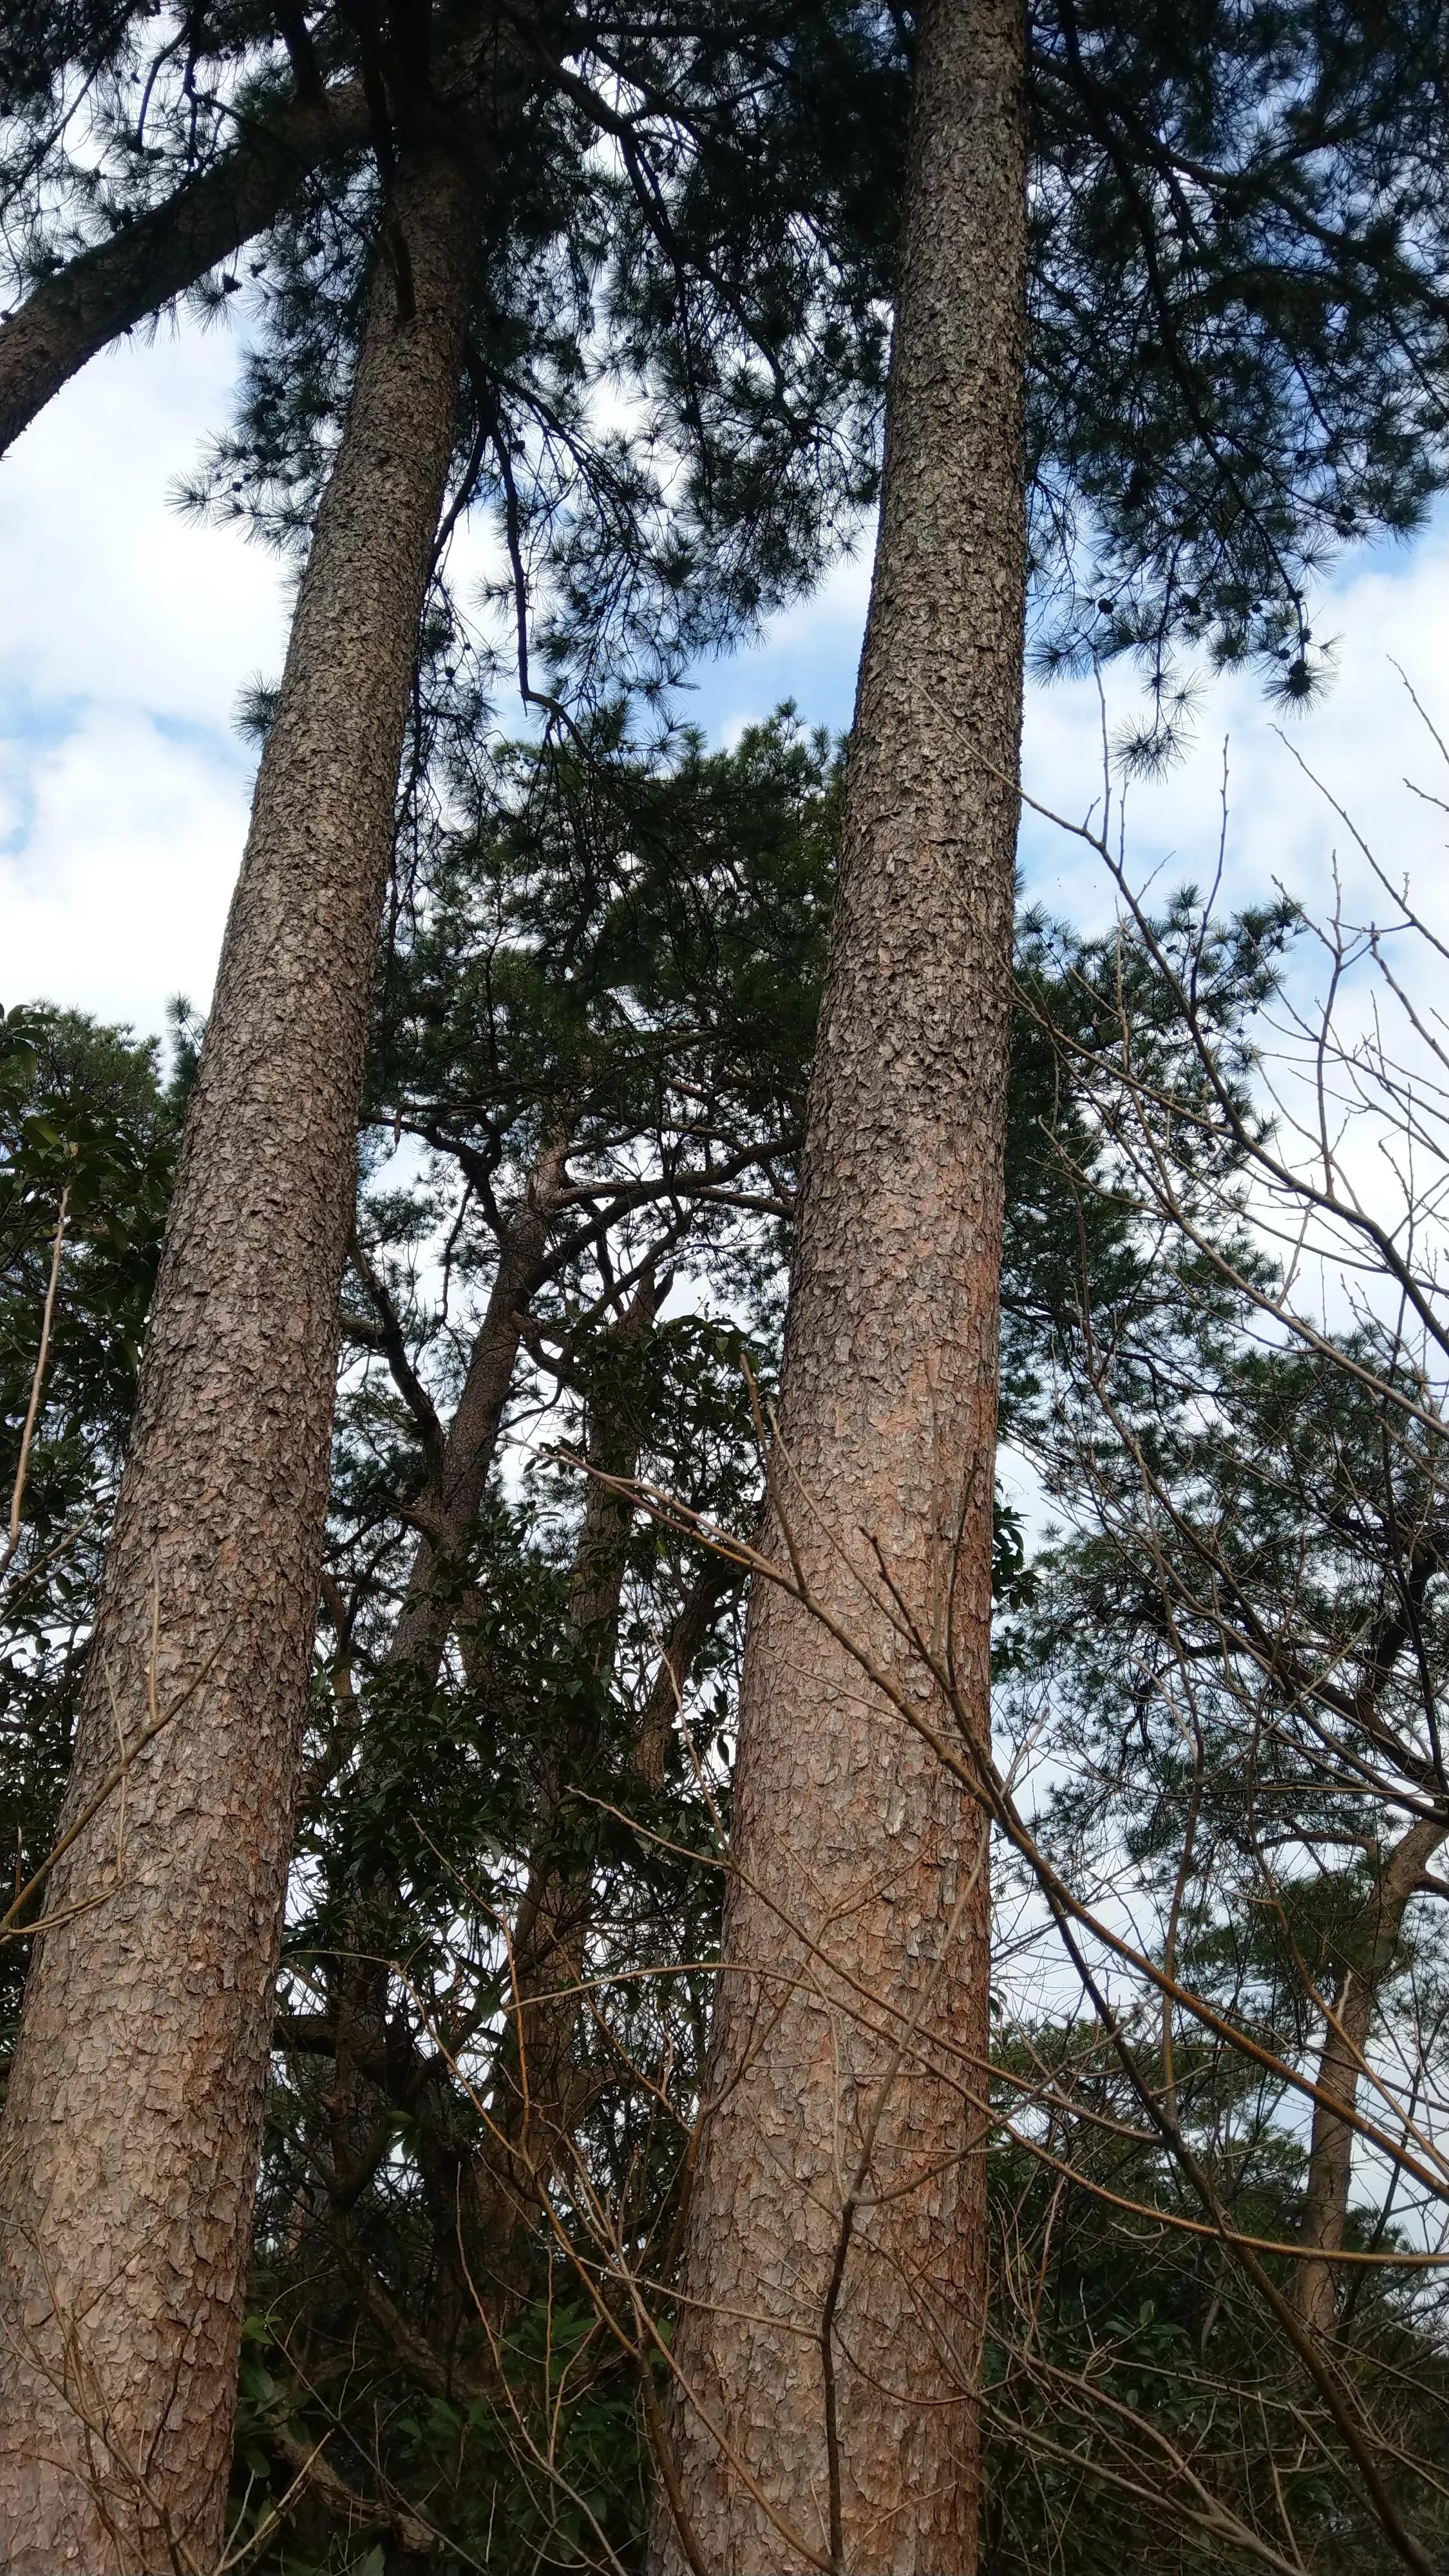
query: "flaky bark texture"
128, 2154
836, 2246
108, 290
1341, 2065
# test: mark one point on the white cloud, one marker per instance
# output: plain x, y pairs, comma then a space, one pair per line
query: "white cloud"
117, 895
1360, 740
127, 635
108, 593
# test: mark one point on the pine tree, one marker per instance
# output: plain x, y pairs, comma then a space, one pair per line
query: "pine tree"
213, 1570
653, 925
147, 2015
523, 1826
830, 2334
716, 177
828, 2353
1238, 256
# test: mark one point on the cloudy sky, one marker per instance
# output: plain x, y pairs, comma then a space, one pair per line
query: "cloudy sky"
126, 636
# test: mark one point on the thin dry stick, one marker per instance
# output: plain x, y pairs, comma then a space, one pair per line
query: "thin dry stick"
982, 1782
32, 1410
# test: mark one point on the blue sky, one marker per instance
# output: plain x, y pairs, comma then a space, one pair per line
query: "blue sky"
126, 636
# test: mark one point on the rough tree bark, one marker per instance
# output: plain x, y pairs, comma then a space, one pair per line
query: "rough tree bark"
836, 2243
1340, 2068
132, 2126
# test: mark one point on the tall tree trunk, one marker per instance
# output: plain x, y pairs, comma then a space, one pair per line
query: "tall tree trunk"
830, 2336
132, 2127
1340, 2069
